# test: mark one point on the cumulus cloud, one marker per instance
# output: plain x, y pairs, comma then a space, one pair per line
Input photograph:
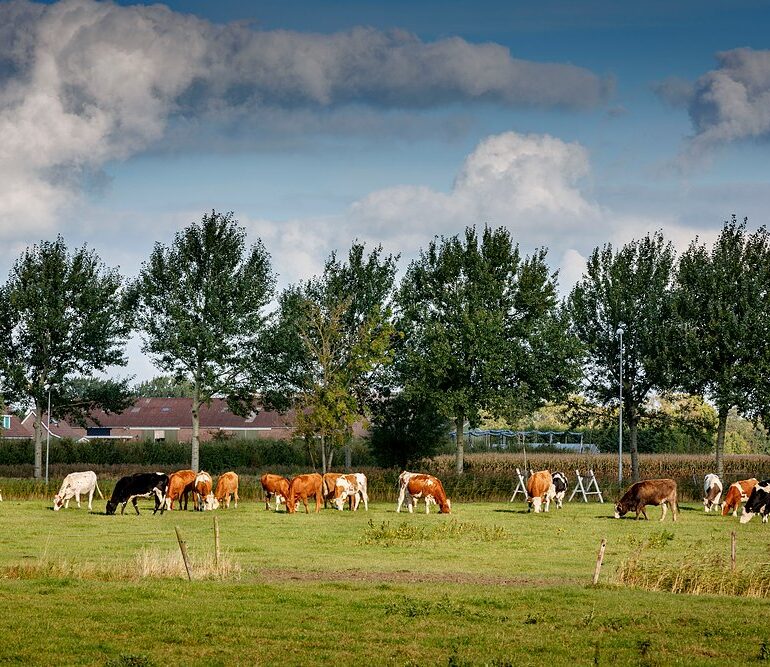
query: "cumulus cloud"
85, 82
730, 103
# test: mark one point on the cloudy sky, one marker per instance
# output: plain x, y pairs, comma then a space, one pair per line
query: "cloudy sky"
571, 123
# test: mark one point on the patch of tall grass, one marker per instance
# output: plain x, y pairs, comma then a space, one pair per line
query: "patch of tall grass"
694, 574
386, 534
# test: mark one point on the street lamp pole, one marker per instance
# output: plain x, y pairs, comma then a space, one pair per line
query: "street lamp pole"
619, 332
48, 437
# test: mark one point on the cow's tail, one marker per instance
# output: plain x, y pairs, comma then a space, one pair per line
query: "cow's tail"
99, 491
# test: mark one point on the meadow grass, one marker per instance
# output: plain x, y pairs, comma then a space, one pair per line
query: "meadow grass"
489, 584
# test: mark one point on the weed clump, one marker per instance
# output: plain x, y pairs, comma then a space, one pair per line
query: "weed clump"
387, 535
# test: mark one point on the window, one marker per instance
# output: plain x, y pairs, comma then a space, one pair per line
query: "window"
6, 421
160, 436
96, 431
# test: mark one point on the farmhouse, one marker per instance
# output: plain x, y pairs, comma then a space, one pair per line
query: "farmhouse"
163, 420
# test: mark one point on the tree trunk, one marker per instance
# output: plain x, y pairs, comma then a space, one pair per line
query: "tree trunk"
196, 424
719, 451
38, 426
633, 429
323, 454
460, 422
348, 457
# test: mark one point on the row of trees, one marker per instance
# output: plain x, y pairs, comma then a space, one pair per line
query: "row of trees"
473, 328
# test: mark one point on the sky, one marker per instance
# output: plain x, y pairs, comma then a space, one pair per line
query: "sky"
573, 124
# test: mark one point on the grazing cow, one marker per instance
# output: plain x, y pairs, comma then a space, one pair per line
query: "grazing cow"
303, 487
227, 486
559, 490
180, 485
345, 488
649, 492
140, 485
362, 492
329, 484
712, 492
413, 486
75, 484
203, 498
738, 493
540, 489
758, 502
276, 487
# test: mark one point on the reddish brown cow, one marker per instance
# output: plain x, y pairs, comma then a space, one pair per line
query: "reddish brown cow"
738, 493
649, 492
180, 486
416, 486
203, 498
539, 490
303, 487
330, 485
227, 486
276, 487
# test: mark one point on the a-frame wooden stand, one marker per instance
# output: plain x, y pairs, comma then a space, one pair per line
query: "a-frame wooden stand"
587, 486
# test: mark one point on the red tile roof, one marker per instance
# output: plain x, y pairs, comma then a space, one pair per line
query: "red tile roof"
17, 430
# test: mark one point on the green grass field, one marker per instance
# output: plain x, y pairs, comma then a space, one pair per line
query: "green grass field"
489, 584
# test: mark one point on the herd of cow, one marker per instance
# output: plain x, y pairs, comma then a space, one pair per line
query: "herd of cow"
339, 489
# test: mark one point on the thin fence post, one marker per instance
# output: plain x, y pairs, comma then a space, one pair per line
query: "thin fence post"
599, 560
183, 549
732, 551
216, 542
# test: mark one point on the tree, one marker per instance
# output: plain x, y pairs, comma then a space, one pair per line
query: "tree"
164, 386
62, 315
630, 288
201, 309
331, 341
481, 330
723, 306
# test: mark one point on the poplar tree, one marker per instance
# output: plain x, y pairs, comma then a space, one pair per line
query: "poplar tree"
481, 330
200, 306
62, 316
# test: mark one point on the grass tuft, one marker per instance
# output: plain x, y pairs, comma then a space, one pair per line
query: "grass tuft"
387, 535
695, 574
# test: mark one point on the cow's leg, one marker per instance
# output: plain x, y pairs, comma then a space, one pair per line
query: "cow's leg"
401, 494
77, 498
67, 504
663, 507
547, 503
304, 501
235, 496
123, 509
90, 499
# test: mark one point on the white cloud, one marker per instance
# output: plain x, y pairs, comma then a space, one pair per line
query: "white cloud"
83, 83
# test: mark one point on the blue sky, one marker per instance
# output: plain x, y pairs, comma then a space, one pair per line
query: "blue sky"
571, 123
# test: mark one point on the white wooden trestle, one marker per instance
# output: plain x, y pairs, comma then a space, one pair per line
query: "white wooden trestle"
587, 486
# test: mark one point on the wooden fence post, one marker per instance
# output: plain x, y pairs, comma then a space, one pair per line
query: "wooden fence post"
599, 560
183, 549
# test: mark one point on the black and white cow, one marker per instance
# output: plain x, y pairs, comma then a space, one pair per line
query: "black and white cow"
559, 487
140, 485
758, 503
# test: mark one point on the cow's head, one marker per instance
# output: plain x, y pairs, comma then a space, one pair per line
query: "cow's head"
58, 502
111, 507
445, 507
211, 503
621, 509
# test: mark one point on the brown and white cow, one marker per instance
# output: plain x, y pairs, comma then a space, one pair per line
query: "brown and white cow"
738, 493
274, 486
329, 486
180, 486
74, 485
649, 492
413, 486
712, 492
303, 487
227, 486
352, 487
540, 490
203, 497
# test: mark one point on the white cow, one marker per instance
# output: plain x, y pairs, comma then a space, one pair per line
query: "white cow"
712, 492
76, 484
351, 486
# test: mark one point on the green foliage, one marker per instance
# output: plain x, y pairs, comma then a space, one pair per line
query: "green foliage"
332, 342
629, 288
723, 306
200, 305
481, 330
164, 386
62, 315
405, 430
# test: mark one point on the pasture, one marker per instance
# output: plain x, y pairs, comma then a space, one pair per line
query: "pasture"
489, 584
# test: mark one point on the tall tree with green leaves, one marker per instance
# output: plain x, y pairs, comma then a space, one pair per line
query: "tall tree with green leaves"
481, 330
200, 307
632, 289
723, 304
62, 315
331, 343
164, 386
